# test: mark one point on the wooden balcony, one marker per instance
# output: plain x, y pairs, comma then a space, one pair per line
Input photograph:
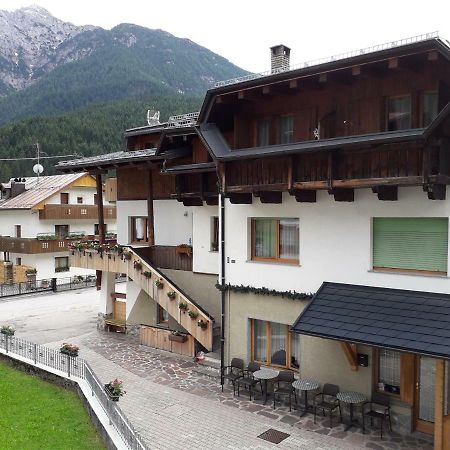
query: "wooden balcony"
75, 212
145, 275
166, 257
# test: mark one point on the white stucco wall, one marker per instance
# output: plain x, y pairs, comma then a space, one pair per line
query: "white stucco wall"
205, 261
173, 221
335, 242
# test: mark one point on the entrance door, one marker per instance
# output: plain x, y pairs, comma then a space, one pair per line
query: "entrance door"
425, 383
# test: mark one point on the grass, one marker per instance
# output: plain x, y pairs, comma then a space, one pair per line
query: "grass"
37, 415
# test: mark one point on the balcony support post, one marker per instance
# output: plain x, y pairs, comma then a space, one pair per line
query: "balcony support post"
150, 214
101, 221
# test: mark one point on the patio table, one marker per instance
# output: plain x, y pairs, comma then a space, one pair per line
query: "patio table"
305, 385
265, 375
351, 398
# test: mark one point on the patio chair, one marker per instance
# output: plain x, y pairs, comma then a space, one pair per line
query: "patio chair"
283, 388
248, 380
233, 372
327, 402
378, 408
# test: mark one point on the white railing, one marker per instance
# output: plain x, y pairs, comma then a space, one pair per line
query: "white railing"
341, 56
183, 120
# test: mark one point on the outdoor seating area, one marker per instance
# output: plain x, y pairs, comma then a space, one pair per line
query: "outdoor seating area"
352, 409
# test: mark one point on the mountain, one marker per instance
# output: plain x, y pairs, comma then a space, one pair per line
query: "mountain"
50, 67
92, 130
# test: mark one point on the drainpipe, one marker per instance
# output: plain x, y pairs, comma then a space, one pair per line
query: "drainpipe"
222, 283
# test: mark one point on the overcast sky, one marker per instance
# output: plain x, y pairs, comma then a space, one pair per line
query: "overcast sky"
243, 30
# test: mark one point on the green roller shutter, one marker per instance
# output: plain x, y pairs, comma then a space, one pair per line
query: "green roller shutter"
411, 243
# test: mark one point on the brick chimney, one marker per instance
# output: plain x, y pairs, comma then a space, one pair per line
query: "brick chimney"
279, 58
17, 187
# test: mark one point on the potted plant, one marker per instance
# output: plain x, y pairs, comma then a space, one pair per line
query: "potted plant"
193, 314
147, 274
69, 349
159, 283
203, 325
183, 306
115, 390
172, 295
126, 255
137, 265
9, 330
176, 336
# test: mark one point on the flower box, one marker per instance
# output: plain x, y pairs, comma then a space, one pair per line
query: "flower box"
8, 333
69, 349
172, 295
193, 314
181, 338
110, 392
203, 325
183, 306
69, 353
147, 274
159, 284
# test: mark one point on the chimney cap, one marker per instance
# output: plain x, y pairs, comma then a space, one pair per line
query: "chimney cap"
280, 46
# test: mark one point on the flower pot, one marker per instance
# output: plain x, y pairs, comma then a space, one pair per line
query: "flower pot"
177, 338
113, 397
8, 333
68, 352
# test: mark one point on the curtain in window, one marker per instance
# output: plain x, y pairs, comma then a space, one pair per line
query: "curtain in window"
430, 108
263, 132
265, 238
278, 344
286, 130
399, 113
289, 232
389, 370
260, 340
139, 228
295, 350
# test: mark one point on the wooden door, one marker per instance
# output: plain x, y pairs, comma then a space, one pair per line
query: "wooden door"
64, 196
424, 407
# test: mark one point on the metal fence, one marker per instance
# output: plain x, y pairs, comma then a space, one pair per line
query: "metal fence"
51, 284
78, 367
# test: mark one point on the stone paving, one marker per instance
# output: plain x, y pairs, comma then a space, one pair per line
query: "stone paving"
174, 373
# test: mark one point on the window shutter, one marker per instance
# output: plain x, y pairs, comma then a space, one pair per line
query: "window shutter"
411, 243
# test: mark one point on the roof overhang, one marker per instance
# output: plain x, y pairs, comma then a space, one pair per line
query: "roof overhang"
400, 320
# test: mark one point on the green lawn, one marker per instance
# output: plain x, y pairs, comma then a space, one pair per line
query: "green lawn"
38, 415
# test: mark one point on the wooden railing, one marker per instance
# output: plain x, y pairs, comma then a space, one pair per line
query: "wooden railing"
75, 212
166, 257
145, 276
32, 246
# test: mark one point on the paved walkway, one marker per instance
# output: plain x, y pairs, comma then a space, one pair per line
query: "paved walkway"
174, 407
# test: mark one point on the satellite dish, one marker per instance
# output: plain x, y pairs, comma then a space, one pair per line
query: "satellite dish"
38, 169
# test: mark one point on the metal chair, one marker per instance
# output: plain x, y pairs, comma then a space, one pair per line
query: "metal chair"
380, 409
283, 387
327, 401
248, 380
233, 372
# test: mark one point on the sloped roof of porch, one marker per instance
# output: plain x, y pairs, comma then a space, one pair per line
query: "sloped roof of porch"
402, 320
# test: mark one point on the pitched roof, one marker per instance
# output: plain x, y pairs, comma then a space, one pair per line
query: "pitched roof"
37, 192
411, 321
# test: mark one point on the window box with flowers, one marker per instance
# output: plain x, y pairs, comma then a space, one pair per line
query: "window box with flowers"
69, 349
9, 330
159, 284
114, 390
193, 314
172, 295
176, 336
183, 306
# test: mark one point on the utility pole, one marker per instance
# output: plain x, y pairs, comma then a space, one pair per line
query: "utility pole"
38, 155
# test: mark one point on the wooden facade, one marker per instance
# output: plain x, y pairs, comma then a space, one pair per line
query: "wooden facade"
75, 212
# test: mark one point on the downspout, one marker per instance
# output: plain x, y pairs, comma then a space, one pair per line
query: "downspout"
222, 283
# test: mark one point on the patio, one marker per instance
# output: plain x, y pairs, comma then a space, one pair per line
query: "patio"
181, 373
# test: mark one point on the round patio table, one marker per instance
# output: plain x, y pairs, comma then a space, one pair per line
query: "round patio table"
351, 398
305, 385
266, 375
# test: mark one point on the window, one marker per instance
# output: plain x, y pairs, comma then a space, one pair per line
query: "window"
95, 199
275, 239
18, 230
389, 373
429, 108
62, 264
97, 228
163, 315
274, 345
398, 113
62, 231
214, 234
138, 228
262, 132
64, 196
79, 200
410, 244
286, 129
18, 261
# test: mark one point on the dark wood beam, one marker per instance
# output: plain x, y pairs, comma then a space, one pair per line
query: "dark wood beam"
433, 55
150, 213
356, 70
212, 201
343, 195
351, 352
386, 193
323, 77
241, 95
270, 197
240, 199
266, 90
393, 63
294, 84
304, 195
195, 201
219, 99
436, 191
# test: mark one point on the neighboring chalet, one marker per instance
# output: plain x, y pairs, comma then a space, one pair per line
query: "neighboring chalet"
330, 178
40, 218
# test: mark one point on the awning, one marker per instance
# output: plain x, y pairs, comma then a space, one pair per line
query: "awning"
410, 321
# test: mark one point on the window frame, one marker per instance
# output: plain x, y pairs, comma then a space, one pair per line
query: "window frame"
268, 363
277, 258
64, 198
79, 200
57, 266
160, 320
214, 233
394, 97
376, 373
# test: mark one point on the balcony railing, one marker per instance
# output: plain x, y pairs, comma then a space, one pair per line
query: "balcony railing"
76, 212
